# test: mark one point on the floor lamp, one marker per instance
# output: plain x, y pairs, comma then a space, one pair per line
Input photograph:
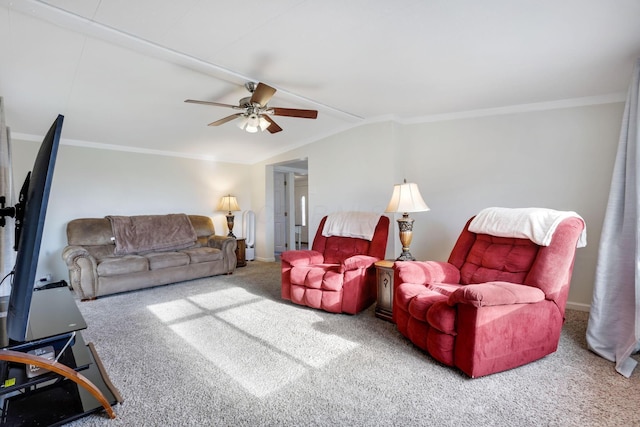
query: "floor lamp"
406, 198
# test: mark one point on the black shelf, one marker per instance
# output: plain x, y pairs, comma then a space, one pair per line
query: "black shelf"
51, 399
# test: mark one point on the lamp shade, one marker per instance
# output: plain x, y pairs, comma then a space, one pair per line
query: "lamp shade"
406, 198
253, 122
242, 122
228, 203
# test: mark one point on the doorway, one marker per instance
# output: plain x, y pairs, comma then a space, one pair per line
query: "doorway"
301, 216
280, 209
291, 201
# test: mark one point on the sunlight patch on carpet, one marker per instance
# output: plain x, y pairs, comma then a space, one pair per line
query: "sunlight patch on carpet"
303, 341
171, 311
241, 333
258, 369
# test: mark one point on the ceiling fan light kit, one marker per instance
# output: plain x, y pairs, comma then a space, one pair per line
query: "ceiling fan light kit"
255, 115
252, 123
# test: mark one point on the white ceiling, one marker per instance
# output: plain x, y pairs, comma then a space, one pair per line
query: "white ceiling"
119, 70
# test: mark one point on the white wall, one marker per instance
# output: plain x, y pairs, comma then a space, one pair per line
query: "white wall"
560, 159
94, 183
354, 170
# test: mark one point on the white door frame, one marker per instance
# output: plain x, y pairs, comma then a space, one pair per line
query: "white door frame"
291, 168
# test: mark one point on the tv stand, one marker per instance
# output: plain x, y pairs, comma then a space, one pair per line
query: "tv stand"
72, 385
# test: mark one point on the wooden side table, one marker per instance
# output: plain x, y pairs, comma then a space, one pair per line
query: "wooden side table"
240, 252
384, 275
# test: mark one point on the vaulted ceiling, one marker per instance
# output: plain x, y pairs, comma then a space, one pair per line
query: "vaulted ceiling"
120, 70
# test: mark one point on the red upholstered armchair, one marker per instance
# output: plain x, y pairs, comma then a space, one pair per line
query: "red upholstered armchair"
337, 275
498, 302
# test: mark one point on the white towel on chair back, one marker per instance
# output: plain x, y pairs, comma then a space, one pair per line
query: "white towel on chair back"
535, 224
361, 225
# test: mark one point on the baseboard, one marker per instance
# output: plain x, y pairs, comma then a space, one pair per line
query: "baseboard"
265, 259
578, 306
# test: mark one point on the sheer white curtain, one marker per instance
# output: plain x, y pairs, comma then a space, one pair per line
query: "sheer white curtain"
7, 256
613, 331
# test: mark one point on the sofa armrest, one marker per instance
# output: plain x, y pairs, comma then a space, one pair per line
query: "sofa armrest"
299, 258
227, 246
358, 261
83, 271
219, 242
426, 272
496, 293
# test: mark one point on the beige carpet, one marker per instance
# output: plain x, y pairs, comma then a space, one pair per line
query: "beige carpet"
228, 351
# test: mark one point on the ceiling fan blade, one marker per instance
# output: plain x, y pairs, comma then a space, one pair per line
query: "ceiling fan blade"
225, 120
273, 127
262, 94
217, 104
293, 112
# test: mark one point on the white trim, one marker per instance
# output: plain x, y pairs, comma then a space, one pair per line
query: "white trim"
113, 147
523, 108
578, 306
513, 109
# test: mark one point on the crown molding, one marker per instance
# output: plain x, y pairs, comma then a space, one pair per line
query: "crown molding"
114, 147
515, 109
487, 112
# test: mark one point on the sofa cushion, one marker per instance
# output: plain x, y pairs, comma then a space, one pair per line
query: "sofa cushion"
127, 264
100, 252
158, 260
198, 255
202, 225
89, 232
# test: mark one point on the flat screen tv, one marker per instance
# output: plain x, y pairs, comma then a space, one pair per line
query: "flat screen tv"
30, 212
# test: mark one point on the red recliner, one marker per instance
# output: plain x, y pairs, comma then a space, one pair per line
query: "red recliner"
337, 275
498, 302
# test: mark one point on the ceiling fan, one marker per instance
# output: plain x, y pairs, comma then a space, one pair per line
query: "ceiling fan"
255, 112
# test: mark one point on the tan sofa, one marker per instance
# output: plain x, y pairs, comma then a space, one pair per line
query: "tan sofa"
100, 265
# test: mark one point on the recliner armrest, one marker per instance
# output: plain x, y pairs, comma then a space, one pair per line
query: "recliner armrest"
426, 272
358, 261
496, 293
298, 258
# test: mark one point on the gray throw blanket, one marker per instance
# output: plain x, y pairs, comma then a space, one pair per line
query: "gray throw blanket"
144, 233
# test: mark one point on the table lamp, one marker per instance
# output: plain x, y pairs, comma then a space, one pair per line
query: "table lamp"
229, 204
406, 198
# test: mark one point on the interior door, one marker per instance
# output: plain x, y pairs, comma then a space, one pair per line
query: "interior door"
280, 212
